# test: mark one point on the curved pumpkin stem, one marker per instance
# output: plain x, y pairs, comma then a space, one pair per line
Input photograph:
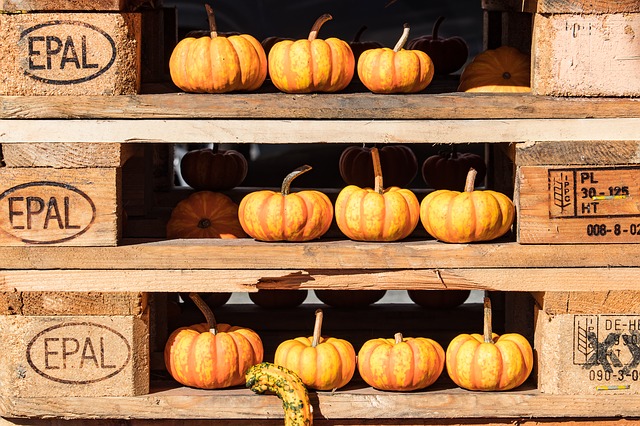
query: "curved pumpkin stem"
488, 332
398, 337
436, 27
316, 25
317, 328
403, 38
212, 21
362, 29
206, 311
470, 183
286, 183
377, 171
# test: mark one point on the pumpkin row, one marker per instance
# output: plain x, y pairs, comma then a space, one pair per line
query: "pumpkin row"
362, 214
216, 63
214, 356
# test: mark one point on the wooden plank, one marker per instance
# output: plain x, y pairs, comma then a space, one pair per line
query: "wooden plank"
57, 53
60, 206
577, 152
578, 204
592, 352
67, 155
351, 403
498, 279
582, 55
317, 131
72, 303
51, 5
342, 254
48, 356
587, 6
343, 106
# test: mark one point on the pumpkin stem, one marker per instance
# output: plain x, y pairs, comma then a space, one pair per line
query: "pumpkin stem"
362, 29
212, 21
204, 223
488, 332
215, 148
206, 311
436, 27
454, 151
471, 180
317, 329
286, 183
403, 38
398, 337
316, 25
377, 171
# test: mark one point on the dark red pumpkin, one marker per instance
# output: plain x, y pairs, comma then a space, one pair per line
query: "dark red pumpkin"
438, 299
399, 166
349, 298
278, 299
358, 46
448, 169
213, 169
448, 54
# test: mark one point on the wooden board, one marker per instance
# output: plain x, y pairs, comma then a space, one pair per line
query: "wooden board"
584, 54
60, 206
587, 6
589, 352
68, 155
75, 355
579, 204
70, 53
72, 303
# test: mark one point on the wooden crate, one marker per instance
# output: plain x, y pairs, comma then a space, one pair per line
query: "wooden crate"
59, 53
74, 344
588, 343
583, 48
577, 193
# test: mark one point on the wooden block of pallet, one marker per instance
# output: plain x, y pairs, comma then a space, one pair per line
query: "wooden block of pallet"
578, 54
97, 353
588, 343
586, 6
68, 155
58, 53
76, 207
594, 200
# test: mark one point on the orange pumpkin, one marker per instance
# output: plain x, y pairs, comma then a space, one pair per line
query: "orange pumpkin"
378, 214
395, 70
283, 216
489, 362
211, 355
311, 65
398, 162
401, 364
505, 69
322, 363
468, 216
213, 169
218, 64
205, 214
358, 46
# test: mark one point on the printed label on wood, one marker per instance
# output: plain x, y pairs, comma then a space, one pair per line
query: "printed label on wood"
59, 206
75, 356
579, 205
70, 53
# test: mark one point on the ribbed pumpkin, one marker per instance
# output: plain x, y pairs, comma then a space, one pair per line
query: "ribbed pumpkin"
489, 362
396, 70
349, 298
213, 169
378, 214
322, 363
468, 216
283, 216
311, 65
358, 46
398, 162
211, 355
438, 299
448, 169
401, 363
205, 214
505, 69
218, 64
278, 299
